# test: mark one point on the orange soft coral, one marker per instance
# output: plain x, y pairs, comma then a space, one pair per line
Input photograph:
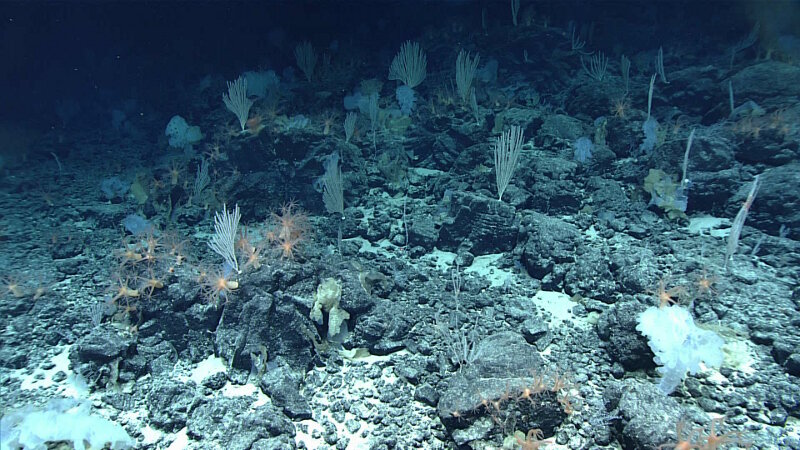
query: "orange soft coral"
289, 230
698, 439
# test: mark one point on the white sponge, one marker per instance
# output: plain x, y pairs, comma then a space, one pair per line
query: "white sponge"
181, 134
61, 420
679, 345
